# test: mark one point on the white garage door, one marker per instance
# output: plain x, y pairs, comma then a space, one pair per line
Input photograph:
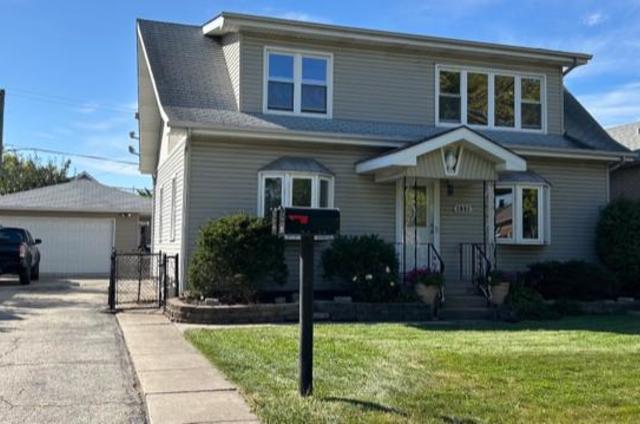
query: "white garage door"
69, 245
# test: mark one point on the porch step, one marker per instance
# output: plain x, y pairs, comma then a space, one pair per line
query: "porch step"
465, 300
465, 313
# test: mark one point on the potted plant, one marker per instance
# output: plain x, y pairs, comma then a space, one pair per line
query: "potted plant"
426, 283
499, 283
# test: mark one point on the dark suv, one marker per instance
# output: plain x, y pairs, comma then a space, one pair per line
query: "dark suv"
19, 254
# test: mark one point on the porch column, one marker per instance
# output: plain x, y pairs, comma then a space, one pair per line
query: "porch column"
490, 219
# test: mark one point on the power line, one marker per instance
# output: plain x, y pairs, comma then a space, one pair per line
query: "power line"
65, 101
58, 152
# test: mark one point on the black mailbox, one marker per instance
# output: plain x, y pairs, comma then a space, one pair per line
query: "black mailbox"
290, 221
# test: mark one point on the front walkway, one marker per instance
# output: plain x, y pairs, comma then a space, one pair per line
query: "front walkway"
179, 384
62, 357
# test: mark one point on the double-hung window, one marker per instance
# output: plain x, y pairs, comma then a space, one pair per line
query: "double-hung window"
489, 98
522, 214
298, 189
297, 83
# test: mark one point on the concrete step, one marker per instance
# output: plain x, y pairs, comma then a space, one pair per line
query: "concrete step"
465, 301
460, 291
450, 313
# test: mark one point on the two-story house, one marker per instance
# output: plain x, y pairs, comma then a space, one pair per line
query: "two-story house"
457, 149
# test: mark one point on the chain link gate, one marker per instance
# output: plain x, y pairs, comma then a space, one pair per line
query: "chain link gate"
142, 280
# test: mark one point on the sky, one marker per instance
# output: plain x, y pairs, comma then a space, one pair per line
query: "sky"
69, 66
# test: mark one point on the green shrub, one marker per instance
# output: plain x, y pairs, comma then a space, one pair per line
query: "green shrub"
618, 242
366, 265
576, 280
524, 303
233, 256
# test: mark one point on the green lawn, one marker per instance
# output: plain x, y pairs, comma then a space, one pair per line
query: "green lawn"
584, 369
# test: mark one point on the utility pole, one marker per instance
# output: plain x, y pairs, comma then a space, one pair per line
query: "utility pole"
1, 123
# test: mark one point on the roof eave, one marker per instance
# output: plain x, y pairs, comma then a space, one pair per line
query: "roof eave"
227, 22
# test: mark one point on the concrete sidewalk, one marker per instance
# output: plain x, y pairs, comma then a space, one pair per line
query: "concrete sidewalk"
178, 384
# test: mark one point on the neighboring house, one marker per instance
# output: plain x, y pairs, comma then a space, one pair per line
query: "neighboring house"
625, 178
421, 140
79, 222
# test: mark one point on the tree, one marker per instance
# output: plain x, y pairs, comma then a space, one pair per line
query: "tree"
144, 192
20, 173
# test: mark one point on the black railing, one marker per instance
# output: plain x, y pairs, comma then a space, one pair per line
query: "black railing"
475, 265
420, 255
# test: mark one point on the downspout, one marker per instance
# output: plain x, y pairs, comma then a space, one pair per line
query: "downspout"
186, 182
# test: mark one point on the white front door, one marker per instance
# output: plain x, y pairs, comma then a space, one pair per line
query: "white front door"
417, 221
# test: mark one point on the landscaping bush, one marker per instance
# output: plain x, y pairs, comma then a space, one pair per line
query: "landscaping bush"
366, 265
618, 242
575, 280
524, 303
234, 255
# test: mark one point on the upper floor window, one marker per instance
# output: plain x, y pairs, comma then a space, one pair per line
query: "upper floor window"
490, 99
298, 82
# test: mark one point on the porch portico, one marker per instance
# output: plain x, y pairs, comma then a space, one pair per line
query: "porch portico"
444, 197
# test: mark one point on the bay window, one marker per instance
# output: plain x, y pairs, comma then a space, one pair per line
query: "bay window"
522, 214
298, 189
297, 82
489, 98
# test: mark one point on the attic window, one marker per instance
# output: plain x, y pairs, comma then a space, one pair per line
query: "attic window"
297, 83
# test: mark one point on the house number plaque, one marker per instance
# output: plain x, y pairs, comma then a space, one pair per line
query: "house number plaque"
463, 209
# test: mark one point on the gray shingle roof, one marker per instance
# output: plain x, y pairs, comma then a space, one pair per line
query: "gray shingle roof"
81, 194
289, 163
627, 135
196, 92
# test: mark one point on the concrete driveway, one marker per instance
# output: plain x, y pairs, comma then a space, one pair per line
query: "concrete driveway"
62, 357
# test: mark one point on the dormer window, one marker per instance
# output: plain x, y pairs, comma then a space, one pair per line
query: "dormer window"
297, 83
485, 98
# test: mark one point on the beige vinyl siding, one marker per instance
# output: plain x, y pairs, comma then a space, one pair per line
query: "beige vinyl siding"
172, 167
380, 84
624, 183
578, 192
472, 166
224, 180
457, 228
231, 51
127, 233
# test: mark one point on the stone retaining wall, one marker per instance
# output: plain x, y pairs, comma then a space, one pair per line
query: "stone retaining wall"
180, 311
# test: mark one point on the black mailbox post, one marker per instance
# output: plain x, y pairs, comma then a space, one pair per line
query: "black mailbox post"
306, 223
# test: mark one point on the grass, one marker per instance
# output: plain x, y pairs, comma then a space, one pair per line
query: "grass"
582, 369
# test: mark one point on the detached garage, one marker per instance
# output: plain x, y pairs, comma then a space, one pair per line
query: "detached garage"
79, 223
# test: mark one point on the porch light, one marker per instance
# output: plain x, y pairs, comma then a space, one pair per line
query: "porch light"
451, 159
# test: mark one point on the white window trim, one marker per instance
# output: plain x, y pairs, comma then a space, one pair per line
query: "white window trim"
297, 54
173, 209
287, 187
544, 208
491, 73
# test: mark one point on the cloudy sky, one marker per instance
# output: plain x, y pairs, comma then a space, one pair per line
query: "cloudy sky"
69, 65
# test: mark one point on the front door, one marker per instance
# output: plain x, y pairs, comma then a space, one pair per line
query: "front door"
418, 226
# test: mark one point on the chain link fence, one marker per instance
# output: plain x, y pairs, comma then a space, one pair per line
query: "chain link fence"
141, 279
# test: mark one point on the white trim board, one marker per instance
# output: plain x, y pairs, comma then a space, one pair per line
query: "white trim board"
409, 156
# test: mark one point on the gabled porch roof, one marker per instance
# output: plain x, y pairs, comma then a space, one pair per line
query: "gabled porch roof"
405, 157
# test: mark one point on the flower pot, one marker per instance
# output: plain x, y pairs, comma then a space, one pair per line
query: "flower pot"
427, 294
499, 292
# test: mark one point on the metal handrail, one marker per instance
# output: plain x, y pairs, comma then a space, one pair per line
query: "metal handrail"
480, 266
